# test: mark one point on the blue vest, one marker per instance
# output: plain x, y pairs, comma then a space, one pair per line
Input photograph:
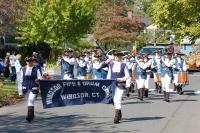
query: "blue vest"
67, 68
104, 72
140, 72
115, 75
180, 65
166, 70
82, 71
97, 73
29, 80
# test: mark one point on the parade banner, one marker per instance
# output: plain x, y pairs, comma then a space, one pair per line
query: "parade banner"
56, 93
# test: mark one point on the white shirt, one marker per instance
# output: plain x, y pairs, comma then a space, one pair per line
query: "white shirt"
28, 73
12, 60
168, 62
71, 61
82, 63
97, 64
18, 66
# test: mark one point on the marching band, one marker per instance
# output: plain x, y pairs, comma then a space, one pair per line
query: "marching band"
166, 68
125, 69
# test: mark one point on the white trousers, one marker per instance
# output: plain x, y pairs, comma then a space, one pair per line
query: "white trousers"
166, 81
175, 79
18, 84
67, 77
81, 77
30, 98
118, 98
140, 83
147, 81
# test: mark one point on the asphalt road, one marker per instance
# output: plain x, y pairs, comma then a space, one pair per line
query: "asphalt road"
181, 115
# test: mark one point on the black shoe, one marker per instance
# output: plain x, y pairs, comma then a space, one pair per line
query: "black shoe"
167, 100
117, 116
146, 94
181, 93
30, 115
127, 94
120, 114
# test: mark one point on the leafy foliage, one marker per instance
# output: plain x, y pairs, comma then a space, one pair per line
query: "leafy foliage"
112, 24
55, 21
181, 16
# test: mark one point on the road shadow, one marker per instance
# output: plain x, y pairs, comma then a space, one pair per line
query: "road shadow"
184, 100
49, 123
141, 119
137, 102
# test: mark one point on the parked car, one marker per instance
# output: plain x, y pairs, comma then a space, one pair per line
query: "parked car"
152, 50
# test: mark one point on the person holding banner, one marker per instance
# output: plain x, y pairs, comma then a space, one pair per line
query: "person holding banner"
179, 67
28, 81
119, 72
67, 64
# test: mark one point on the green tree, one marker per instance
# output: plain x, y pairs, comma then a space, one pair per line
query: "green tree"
181, 16
55, 21
113, 26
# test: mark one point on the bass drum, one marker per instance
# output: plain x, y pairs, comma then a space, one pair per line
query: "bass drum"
183, 78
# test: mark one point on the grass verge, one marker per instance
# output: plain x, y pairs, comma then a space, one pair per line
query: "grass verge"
8, 94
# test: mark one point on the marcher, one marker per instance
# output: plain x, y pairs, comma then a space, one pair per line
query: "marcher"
18, 68
118, 71
82, 67
166, 74
67, 64
141, 75
147, 61
97, 67
178, 68
28, 80
129, 65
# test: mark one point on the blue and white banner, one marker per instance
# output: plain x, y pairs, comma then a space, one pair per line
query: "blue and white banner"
56, 93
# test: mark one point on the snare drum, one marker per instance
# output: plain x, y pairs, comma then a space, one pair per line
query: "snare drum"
157, 77
133, 76
183, 78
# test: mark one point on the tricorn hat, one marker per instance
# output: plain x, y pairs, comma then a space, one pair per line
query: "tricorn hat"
179, 53
97, 56
118, 53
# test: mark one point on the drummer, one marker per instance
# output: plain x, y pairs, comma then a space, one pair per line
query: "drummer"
180, 66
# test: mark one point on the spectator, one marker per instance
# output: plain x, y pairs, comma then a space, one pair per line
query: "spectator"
7, 65
12, 65
2, 66
18, 68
